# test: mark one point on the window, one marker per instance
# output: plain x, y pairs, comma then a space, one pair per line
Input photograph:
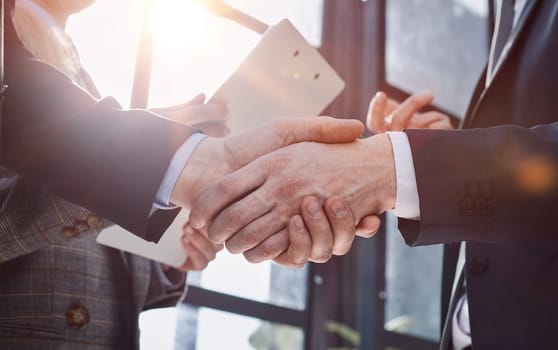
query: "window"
441, 46
422, 51
110, 61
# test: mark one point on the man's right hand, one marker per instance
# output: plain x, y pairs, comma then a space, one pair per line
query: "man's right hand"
386, 114
215, 158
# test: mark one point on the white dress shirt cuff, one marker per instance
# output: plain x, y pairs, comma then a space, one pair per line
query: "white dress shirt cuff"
177, 164
407, 204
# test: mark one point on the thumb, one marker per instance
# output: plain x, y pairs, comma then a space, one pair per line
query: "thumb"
375, 120
320, 129
253, 143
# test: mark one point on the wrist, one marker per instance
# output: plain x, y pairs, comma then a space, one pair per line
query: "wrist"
385, 184
205, 164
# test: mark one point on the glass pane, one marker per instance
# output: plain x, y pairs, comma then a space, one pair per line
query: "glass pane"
265, 282
157, 328
196, 51
441, 46
222, 330
108, 51
413, 283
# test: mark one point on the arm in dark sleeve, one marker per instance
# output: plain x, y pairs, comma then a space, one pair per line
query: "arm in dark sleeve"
488, 185
89, 152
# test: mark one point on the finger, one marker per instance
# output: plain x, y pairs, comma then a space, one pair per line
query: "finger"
254, 233
391, 106
441, 124
236, 216
196, 260
250, 144
201, 243
224, 192
243, 148
423, 120
316, 221
269, 249
413, 104
376, 113
321, 129
342, 223
300, 245
368, 226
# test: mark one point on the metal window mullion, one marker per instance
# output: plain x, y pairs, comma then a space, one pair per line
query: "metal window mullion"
224, 302
144, 61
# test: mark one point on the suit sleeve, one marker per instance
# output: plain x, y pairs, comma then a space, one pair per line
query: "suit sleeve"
89, 152
487, 185
166, 288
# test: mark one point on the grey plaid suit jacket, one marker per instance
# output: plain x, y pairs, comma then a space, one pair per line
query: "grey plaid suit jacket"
59, 289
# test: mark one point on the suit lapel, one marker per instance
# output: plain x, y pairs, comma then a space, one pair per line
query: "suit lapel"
512, 42
513, 38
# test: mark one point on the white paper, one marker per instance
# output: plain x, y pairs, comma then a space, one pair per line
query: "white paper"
283, 76
168, 250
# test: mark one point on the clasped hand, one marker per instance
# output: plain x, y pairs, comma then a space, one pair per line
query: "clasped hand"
297, 189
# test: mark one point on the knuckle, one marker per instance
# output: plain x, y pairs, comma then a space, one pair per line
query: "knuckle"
234, 216
288, 186
214, 238
243, 240
297, 260
250, 237
278, 127
268, 251
227, 184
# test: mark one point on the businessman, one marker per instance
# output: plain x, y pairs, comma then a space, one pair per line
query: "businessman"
493, 184
70, 165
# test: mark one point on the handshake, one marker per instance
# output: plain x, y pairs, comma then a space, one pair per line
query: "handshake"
297, 189
293, 190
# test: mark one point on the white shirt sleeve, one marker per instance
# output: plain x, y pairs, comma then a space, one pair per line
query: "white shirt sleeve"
407, 204
177, 164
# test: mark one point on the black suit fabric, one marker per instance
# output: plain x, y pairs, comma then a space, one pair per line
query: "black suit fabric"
88, 151
495, 186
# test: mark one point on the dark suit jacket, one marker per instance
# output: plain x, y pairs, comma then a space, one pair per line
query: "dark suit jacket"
495, 185
88, 151
70, 162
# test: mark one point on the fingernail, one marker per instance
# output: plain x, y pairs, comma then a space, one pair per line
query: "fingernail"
314, 210
298, 223
338, 208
